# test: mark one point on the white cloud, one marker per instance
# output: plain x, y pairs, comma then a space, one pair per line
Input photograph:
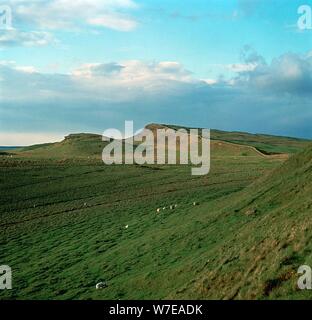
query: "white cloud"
210, 81
97, 69
13, 37
289, 73
132, 75
12, 65
133, 78
103, 81
113, 21
241, 67
27, 69
68, 14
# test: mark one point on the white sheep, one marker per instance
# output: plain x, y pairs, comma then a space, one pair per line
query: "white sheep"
158, 210
164, 208
101, 285
195, 203
175, 205
171, 207
126, 226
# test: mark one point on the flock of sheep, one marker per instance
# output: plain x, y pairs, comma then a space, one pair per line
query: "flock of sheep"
102, 285
172, 207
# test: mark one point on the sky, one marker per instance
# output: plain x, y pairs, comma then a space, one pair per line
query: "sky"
89, 65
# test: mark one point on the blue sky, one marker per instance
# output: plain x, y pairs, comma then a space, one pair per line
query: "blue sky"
88, 65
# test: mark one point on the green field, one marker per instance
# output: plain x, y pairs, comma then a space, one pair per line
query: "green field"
64, 216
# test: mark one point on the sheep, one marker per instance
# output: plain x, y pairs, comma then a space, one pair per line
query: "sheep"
171, 207
195, 203
175, 205
158, 210
126, 226
101, 285
164, 208
85, 204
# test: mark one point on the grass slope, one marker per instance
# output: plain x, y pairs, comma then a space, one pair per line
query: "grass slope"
271, 224
63, 225
267, 144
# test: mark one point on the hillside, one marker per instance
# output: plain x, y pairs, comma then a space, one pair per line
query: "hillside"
271, 237
90, 146
80, 145
63, 224
265, 143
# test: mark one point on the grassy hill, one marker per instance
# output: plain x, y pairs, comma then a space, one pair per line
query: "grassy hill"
265, 143
78, 146
271, 238
63, 216
90, 146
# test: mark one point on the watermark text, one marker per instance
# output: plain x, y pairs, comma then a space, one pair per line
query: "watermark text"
159, 146
305, 18
5, 277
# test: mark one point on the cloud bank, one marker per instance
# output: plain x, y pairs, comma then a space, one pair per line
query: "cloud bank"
270, 97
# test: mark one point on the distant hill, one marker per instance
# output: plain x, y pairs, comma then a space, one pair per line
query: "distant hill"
5, 148
268, 144
87, 145
79, 145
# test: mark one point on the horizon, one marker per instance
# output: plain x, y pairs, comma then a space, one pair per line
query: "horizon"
42, 141
237, 65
